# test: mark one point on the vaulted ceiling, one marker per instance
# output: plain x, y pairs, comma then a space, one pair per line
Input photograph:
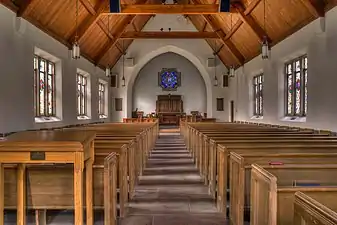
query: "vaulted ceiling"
235, 36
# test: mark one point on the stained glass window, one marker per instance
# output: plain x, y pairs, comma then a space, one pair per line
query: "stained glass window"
81, 95
44, 85
169, 79
101, 99
258, 95
296, 87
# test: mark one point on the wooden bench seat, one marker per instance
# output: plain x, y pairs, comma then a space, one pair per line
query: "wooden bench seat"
49, 147
309, 211
273, 190
240, 168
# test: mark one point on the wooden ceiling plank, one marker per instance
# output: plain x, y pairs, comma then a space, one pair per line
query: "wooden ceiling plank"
23, 8
251, 7
88, 6
111, 43
148, 9
250, 21
89, 21
208, 41
236, 26
237, 54
316, 8
204, 27
134, 27
10, 5
105, 29
169, 35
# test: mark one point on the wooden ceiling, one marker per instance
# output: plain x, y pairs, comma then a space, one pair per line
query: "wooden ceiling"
235, 37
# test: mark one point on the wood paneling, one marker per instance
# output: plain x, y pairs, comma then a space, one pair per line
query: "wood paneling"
242, 43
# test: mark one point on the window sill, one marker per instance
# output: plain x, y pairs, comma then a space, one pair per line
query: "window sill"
83, 118
46, 119
103, 116
256, 118
294, 119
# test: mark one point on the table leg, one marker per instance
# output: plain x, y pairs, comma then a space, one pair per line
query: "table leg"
2, 193
78, 188
21, 194
89, 191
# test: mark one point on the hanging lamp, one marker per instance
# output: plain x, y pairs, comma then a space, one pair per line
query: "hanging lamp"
216, 82
108, 68
265, 50
75, 51
123, 78
231, 71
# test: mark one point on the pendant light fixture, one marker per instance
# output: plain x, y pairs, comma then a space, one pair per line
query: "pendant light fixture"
231, 71
265, 51
216, 82
123, 78
108, 68
75, 51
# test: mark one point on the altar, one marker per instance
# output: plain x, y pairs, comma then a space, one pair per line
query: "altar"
169, 109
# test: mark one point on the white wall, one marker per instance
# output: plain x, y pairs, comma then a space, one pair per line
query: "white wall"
192, 89
17, 41
321, 49
196, 51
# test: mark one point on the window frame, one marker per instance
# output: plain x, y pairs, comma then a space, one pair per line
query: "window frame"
258, 97
303, 60
101, 99
220, 104
37, 73
82, 85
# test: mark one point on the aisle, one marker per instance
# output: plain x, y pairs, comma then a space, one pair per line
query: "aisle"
171, 192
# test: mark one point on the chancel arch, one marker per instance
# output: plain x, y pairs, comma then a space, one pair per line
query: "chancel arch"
185, 55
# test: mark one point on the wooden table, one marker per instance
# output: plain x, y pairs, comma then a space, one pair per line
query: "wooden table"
42, 147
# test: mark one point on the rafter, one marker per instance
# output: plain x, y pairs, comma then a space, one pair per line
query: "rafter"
147, 9
169, 35
23, 7
316, 8
120, 30
237, 54
236, 26
105, 29
250, 21
252, 6
89, 20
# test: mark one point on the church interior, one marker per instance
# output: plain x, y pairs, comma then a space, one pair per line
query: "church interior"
168, 112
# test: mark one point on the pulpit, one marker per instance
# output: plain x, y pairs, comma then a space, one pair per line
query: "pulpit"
169, 109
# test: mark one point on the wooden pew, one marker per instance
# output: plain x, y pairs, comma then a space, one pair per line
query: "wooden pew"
240, 168
308, 211
273, 190
49, 147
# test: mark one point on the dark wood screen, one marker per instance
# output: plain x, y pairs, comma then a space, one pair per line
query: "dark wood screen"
118, 104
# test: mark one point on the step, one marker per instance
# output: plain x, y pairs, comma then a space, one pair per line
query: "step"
170, 170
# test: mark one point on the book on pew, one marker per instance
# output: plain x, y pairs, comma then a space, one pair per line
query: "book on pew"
297, 183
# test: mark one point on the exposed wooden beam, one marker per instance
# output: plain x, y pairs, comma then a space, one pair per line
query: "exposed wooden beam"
134, 27
89, 20
237, 54
10, 5
217, 52
105, 29
119, 31
169, 35
236, 26
250, 21
204, 27
169, 9
23, 7
251, 7
88, 6
316, 8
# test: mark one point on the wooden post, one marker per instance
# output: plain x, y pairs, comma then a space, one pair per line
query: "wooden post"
21, 194
2, 194
78, 188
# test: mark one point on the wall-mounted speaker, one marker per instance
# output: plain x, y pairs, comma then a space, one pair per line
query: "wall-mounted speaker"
224, 6
115, 6
211, 62
129, 62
